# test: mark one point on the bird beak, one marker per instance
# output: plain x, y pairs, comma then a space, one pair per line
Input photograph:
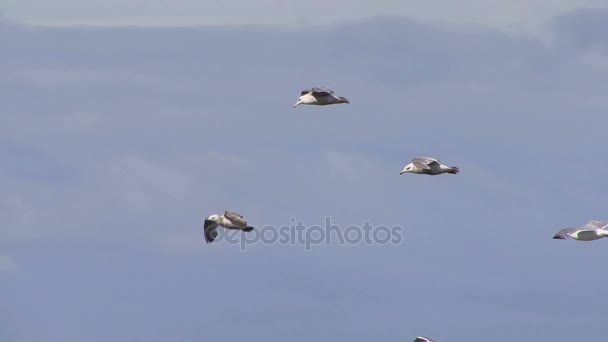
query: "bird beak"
295, 105
402, 172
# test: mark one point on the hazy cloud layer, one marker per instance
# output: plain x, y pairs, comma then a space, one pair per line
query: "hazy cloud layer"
116, 143
7, 264
509, 15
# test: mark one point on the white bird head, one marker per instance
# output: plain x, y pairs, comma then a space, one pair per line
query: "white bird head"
213, 218
409, 168
304, 99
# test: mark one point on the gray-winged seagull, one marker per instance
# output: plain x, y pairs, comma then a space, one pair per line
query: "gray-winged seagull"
228, 220
593, 230
428, 166
423, 339
320, 97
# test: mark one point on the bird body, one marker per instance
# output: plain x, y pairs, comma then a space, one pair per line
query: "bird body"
319, 96
428, 166
228, 220
593, 230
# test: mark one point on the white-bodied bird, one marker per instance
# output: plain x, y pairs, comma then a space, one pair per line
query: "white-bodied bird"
320, 97
228, 220
593, 230
428, 166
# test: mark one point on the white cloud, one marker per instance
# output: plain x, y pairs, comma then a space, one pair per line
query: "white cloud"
17, 218
227, 160
80, 120
7, 264
596, 58
348, 166
190, 242
15, 208
512, 14
141, 181
54, 77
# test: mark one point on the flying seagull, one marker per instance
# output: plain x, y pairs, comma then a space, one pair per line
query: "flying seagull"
320, 97
428, 166
228, 220
423, 339
593, 230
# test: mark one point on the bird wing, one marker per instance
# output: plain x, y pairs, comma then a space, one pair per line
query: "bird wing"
596, 224
322, 90
210, 229
423, 339
563, 234
318, 91
235, 218
232, 214
427, 160
420, 165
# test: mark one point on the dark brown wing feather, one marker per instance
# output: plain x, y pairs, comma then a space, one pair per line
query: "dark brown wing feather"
210, 230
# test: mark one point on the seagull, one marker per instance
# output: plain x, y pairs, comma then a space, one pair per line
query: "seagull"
228, 220
423, 339
593, 230
428, 166
319, 96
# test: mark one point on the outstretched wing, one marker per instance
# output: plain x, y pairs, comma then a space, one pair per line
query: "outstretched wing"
563, 234
232, 214
210, 230
420, 165
596, 224
318, 92
423, 339
322, 90
235, 218
426, 160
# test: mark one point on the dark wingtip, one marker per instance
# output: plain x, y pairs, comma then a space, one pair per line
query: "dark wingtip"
208, 231
423, 339
248, 229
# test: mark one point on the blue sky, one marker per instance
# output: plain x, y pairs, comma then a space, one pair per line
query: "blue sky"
116, 142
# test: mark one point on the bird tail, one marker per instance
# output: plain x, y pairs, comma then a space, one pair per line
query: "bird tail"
453, 170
